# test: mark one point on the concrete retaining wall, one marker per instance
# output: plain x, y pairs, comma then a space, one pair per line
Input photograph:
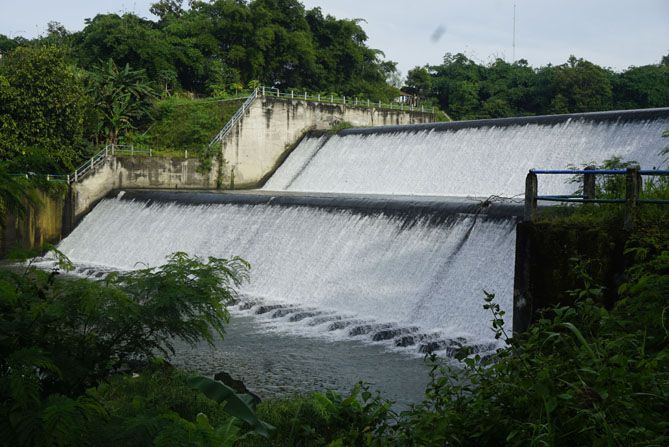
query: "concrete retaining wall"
271, 127
38, 226
139, 172
545, 270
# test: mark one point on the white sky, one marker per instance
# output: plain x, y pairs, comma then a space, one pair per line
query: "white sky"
611, 33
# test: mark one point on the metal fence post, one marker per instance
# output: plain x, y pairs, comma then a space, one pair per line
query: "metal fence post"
305, 96
76, 176
292, 94
92, 163
632, 193
589, 184
344, 100
68, 179
531, 191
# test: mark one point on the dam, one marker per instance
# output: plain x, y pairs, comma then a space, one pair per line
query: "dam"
470, 158
384, 237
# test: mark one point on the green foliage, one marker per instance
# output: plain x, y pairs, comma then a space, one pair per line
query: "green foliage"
220, 46
122, 99
237, 405
469, 90
42, 105
160, 407
339, 126
186, 124
16, 195
62, 336
329, 418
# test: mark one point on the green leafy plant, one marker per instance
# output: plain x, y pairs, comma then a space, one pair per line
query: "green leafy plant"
61, 336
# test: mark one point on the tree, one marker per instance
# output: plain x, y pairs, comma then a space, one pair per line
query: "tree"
122, 97
419, 82
642, 87
42, 103
165, 9
60, 337
584, 86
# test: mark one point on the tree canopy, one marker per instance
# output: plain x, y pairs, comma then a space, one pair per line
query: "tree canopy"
466, 89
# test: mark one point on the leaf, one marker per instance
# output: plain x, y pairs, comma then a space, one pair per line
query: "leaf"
235, 404
581, 339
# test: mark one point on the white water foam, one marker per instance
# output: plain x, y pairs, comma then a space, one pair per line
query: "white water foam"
474, 161
364, 269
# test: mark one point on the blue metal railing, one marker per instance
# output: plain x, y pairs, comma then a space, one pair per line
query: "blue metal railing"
633, 186
599, 171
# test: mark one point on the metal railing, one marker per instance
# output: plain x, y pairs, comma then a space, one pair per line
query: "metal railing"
633, 189
350, 102
108, 151
330, 99
235, 118
89, 166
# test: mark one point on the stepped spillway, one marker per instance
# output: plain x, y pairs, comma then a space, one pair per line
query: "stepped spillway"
412, 280
476, 158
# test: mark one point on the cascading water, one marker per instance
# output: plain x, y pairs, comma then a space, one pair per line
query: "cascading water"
477, 159
405, 281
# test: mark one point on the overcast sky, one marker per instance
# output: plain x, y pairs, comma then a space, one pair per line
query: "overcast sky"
611, 33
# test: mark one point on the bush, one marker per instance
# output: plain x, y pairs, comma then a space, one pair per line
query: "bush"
62, 336
186, 124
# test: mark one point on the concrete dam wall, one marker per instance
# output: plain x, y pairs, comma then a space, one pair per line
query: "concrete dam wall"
262, 139
470, 158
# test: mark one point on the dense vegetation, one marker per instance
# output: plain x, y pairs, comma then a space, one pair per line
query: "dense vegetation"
68, 348
466, 89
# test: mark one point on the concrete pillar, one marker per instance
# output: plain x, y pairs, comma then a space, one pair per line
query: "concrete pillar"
531, 192
589, 184
632, 193
523, 302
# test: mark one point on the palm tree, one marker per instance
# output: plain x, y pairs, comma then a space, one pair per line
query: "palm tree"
122, 95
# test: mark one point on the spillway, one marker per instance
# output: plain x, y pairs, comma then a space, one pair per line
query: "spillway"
409, 277
470, 158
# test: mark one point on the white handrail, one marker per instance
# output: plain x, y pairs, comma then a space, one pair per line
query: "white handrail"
355, 102
99, 158
235, 118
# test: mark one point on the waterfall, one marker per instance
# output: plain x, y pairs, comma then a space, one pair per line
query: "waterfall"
408, 273
403, 280
478, 158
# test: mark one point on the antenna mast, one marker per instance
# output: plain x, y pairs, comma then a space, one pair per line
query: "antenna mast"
514, 32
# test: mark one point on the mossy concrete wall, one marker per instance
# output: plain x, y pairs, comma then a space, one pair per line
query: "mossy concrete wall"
45, 223
139, 172
546, 256
271, 126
